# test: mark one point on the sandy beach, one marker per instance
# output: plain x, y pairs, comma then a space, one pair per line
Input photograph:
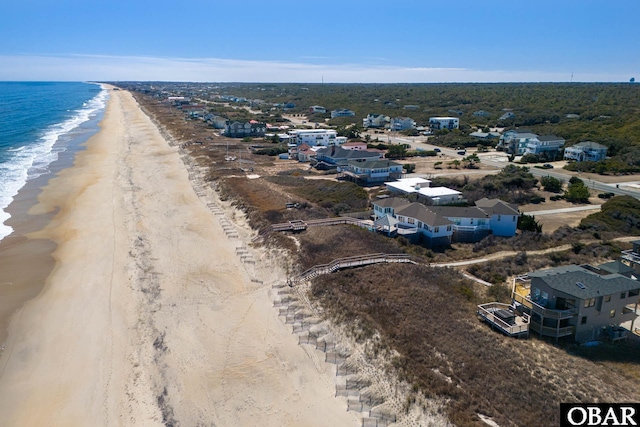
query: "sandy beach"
150, 315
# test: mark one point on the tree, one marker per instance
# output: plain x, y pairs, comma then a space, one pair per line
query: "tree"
409, 167
551, 184
397, 151
529, 223
471, 160
577, 192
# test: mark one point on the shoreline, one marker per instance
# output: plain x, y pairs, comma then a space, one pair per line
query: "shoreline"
26, 262
150, 316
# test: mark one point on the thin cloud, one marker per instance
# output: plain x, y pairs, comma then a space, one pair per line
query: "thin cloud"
142, 68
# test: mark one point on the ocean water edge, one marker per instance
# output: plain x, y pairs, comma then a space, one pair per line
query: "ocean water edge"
38, 121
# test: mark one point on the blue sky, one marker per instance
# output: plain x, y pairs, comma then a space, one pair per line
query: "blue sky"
334, 41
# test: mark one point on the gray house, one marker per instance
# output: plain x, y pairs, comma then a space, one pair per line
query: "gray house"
583, 302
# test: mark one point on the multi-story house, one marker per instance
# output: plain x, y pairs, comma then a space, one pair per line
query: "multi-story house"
375, 121
549, 144
586, 151
402, 123
317, 109
244, 129
370, 171
437, 123
342, 113
579, 301
313, 137
465, 224
515, 141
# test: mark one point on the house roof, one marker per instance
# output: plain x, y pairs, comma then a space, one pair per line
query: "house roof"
437, 192
424, 214
497, 207
617, 267
408, 185
549, 138
334, 152
590, 144
386, 221
372, 164
568, 279
459, 211
391, 202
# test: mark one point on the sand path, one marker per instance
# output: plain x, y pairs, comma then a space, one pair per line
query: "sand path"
150, 317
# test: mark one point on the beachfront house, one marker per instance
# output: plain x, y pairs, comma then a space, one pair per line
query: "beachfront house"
578, 301
245, 129
467, 224
587, 151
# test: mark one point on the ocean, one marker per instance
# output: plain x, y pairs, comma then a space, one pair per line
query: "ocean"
38, 121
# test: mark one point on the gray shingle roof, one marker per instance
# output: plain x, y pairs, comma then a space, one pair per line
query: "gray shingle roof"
565, 279
549, 138
497, 207
422, 213
391, 202
459, 211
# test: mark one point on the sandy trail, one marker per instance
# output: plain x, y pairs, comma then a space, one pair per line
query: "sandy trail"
150, 317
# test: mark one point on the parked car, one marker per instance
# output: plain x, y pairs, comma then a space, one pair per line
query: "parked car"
547, 166
437, 150
606, 195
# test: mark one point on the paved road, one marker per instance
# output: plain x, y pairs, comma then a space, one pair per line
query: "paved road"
563, 210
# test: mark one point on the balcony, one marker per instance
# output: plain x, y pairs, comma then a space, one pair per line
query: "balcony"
552, 332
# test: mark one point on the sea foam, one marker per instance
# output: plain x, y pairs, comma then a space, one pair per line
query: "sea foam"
31, 161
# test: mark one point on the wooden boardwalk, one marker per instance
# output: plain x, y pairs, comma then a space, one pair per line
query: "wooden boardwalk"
350, 262
300, 225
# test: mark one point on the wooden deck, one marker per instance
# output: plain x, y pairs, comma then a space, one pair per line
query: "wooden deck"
519, 327
300, 225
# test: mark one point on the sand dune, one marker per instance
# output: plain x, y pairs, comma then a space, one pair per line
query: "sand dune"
150, 316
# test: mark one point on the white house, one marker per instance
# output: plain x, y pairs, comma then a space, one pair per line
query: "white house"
586, 151
435, 195
342, 113
402, 123
317, 109
544, 144
437, 123
314, 137
375, 121
437, 229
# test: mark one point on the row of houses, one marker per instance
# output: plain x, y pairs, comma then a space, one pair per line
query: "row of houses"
406, 123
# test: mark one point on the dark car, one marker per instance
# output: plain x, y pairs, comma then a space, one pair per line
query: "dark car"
437, 150
547, 166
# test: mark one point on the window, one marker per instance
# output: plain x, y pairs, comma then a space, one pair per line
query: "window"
498, 217
612, 313
437, 229
623, 295
589, 302
634, 293
607, 298
411, 220
514, 218
583, 321
448, 228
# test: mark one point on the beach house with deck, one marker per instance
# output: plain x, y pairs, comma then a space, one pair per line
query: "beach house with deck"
582, 302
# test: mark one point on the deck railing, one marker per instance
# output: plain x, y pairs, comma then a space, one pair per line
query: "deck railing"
297, 225
552, 332
348, 262
545, 312
486, 311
